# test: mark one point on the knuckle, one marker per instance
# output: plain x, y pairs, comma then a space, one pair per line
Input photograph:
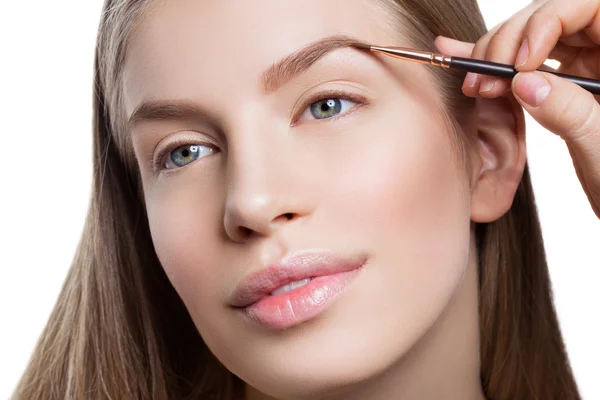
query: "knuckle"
539, 13
578, 119
479, 49
586, 125
503, 45
544, 16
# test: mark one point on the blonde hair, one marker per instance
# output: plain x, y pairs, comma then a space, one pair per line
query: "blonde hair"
120, 331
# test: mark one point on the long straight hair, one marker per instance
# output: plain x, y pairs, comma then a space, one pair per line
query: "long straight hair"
120, 331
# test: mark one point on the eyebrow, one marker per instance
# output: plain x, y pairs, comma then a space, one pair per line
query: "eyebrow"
168, 110
294, 64
274, 77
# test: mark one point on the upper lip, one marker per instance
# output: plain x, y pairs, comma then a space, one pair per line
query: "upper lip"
300, 266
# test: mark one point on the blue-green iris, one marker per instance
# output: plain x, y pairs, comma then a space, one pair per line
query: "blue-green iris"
326, 108
184, 155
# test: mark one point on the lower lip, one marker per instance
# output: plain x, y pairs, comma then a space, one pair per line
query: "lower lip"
301, 304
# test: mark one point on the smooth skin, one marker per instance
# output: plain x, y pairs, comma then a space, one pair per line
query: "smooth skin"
382, 181
564, 30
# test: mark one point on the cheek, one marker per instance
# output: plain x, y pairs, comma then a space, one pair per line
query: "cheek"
402, 186
409, 202
183, 220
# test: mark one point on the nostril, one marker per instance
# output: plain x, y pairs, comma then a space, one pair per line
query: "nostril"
244, 232
288, 216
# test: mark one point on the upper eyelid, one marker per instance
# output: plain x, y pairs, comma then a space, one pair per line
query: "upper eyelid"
334, 85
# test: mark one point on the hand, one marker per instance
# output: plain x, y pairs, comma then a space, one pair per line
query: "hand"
564, 30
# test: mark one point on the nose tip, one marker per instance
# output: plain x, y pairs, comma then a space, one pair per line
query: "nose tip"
261, 217
265, 189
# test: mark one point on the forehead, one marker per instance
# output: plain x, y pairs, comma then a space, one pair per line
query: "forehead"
186, 47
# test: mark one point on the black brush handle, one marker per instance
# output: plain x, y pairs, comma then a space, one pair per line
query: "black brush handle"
509, 71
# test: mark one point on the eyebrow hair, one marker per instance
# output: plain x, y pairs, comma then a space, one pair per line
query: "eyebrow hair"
294, 64
274, 77
166, 110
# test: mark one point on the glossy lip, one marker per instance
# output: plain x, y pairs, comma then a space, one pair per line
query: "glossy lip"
309, 264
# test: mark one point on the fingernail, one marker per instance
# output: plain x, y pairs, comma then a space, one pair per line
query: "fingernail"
532, 88
470, 79
487, 84
523, 54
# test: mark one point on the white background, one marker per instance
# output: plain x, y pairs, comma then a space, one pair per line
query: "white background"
46, 56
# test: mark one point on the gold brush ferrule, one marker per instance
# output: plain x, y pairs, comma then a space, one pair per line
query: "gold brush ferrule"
423, 57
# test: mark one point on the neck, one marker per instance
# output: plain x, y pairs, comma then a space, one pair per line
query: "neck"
444, 364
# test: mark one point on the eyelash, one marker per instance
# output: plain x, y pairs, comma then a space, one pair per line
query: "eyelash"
160, 159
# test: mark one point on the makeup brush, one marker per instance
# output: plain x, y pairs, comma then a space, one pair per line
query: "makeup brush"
470, 64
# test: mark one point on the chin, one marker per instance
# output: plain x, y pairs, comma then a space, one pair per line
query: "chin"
330, 355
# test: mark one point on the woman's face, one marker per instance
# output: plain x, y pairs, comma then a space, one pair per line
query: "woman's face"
338, 151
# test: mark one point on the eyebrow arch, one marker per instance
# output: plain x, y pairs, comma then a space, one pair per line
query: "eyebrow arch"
294, 64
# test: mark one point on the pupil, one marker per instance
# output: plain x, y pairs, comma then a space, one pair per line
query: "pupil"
185, 153
328, 105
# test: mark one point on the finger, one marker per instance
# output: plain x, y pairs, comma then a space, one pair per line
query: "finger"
503, 47
453, 47
449, 46
457, 48
554, 20
579, 39
471, 84
586, 187
481, 51
572, 113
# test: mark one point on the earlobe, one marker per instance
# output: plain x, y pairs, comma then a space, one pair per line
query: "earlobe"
501, 154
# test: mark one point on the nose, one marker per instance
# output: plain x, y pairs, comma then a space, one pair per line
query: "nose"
267, 189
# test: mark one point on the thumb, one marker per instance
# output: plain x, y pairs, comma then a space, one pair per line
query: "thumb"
570, 112
560, 106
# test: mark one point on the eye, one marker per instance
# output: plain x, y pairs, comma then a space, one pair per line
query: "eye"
183, 155
327, 108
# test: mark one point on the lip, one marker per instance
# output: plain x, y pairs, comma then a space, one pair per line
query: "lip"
330, 273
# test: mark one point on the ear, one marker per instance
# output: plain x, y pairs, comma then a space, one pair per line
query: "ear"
500, 155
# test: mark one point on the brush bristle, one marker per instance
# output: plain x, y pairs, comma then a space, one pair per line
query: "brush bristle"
361, 46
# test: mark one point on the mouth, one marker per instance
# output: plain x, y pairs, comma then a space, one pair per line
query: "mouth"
295, 290
291, 286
